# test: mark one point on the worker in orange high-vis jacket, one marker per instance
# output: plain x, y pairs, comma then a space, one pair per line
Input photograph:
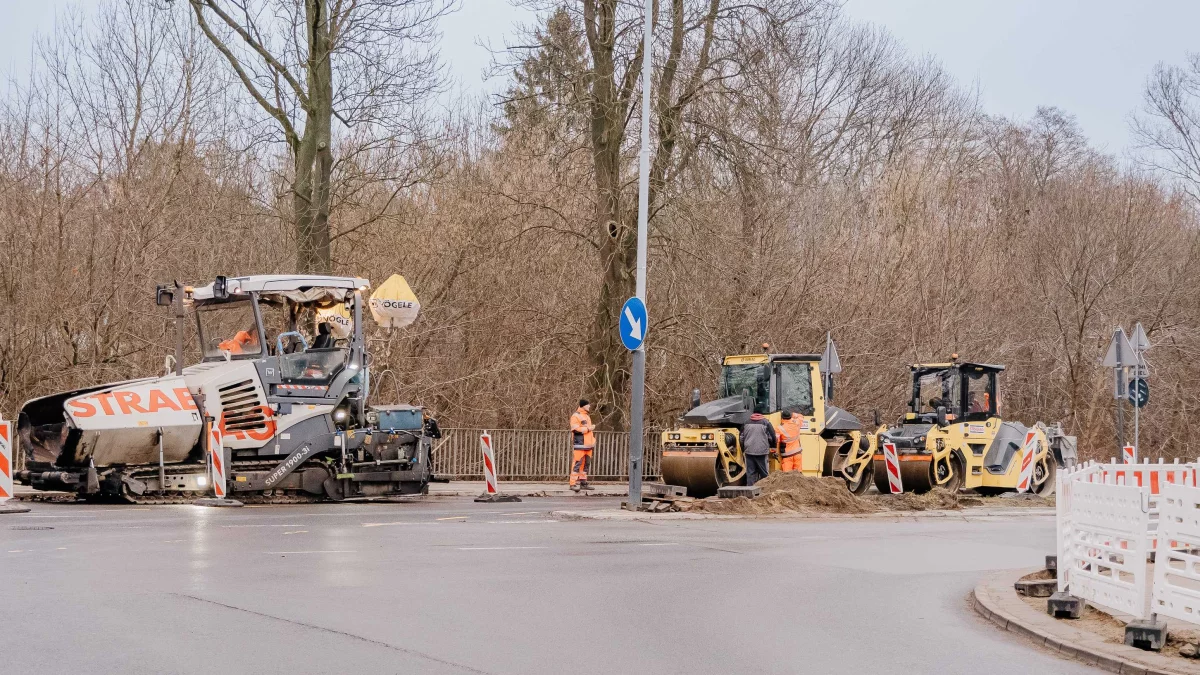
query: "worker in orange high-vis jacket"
789, 438
583, 442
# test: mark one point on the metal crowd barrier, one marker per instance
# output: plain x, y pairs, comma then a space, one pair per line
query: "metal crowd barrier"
528, 454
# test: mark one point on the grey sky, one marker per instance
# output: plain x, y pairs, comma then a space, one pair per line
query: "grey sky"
1089, 57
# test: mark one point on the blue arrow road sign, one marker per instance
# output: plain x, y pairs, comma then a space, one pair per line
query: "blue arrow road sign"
633, 323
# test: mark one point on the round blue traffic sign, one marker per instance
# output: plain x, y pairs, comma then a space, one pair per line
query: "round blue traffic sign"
633, 323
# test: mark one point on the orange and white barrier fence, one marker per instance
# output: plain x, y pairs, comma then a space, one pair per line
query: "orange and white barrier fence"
892, 462
1176, 590
6, 461
1146, 480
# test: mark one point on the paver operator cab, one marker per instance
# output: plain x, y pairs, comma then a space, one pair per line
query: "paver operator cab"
704, 452
953, 436
280, 369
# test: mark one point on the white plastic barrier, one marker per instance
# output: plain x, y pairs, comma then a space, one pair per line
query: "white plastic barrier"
1152, 475
1177, 565
1102, 550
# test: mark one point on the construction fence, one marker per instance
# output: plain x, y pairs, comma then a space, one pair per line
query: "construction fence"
525, 454
1112, 518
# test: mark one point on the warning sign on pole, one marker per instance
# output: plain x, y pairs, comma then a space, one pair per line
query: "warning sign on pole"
216, 459
893, 468
6, 461
6, 470
218, 469
1128, 455
1027, 451
491, 487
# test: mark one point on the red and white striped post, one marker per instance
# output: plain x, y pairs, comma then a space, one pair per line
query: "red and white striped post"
893, 468
218, 469
491, 491
1024, 483
489, 464
216, 460
1128, 455
6, 470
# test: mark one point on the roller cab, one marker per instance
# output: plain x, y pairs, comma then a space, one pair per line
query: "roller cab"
953, 436
704, 451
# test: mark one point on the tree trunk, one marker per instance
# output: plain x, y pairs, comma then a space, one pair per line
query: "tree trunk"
313, 156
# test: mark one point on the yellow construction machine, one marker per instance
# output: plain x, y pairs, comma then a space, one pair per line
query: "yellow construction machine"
704, 452
953, 436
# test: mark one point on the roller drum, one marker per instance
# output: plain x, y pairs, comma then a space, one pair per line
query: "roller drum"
695, 471
916, 476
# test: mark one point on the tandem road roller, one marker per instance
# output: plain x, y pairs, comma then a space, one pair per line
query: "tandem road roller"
704, 453
953, 436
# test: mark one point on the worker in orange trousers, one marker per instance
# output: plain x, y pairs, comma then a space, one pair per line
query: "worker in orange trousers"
583, 442
789, 438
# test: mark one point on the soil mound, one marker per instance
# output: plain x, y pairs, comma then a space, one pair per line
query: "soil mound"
937, 499
791, 492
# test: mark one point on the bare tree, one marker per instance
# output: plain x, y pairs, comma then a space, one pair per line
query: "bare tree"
307, 63
1168, 126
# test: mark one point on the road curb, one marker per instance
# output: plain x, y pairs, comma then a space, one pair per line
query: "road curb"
969, 513
995, 600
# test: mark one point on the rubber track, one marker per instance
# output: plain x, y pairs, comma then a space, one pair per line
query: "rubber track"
272, 496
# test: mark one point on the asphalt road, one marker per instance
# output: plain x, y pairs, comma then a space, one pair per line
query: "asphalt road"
449, 586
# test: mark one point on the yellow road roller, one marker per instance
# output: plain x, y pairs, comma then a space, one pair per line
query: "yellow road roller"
704, 453
953, 436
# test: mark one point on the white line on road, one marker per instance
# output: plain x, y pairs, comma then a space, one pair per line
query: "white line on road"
499, 548
297, 532
295, 552
399, 522
454, 518
517, 522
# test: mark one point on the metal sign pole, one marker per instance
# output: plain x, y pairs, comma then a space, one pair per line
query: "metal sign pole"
637, 402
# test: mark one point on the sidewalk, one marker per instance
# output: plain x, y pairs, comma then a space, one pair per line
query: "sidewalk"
525, 489
995, 599
451, 489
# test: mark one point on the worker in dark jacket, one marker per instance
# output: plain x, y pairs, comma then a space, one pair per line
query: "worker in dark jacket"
758, 438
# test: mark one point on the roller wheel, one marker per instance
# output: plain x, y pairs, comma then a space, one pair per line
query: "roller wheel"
1043, 477
860, 486
955, 468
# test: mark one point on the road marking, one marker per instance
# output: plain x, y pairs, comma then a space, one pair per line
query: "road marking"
61, 548
297, 532
499, 548
454, 518
398, 522
17, 551
256, 525
297, 552
517, 522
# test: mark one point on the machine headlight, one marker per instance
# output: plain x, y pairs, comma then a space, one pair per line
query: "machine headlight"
707, 437
339, 414
673, 437
202, 480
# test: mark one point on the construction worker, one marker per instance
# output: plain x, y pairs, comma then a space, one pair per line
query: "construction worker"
758, 438
583, 441
789, 438
243, 342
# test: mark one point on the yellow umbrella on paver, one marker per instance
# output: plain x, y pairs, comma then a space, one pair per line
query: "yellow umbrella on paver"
393, 304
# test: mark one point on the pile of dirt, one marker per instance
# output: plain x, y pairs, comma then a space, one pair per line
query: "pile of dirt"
937, 499
795, 493
791, 492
